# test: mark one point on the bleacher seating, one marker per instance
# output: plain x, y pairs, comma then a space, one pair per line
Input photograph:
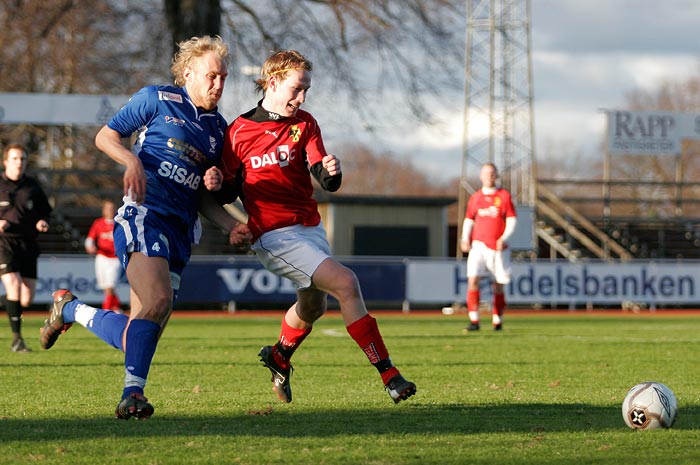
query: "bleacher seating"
645, 239
62, 237
68, 230
663, 240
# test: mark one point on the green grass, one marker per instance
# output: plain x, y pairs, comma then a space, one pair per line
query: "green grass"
546, 390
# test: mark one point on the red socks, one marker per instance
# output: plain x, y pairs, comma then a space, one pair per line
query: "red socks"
473, 301
365, 333
289, 340
111, 302
499, 304
473, 298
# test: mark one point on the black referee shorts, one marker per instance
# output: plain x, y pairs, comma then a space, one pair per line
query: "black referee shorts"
19, 255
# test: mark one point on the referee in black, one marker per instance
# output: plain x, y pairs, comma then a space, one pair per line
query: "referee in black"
24, 213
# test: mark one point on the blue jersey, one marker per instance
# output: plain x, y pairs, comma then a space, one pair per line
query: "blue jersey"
177, 143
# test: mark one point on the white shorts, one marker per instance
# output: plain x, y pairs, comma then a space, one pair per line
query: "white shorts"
293, 252
482, 260
108, 271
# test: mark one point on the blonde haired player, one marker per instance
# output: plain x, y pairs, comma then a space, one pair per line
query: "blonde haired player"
275, 148
180, 138
488, 223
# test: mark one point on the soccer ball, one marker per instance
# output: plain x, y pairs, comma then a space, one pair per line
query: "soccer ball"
649, 405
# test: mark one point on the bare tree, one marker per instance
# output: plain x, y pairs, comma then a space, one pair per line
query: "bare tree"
370, 173
647, 182
410, 47
677, 96
414, 47
75, 46
188, 18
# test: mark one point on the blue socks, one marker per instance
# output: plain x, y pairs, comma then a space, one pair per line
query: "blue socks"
141, 339
141, 342
69, 311
108, 326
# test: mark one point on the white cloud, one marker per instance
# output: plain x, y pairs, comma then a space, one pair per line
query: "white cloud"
629, 26
580, 128
650, 71
577, 79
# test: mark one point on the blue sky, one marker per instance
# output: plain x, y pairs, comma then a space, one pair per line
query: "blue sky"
587, 55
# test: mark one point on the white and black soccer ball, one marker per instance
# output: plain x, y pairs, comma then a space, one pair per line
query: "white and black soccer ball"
650, 405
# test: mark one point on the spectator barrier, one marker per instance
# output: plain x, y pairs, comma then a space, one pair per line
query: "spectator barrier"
403, 282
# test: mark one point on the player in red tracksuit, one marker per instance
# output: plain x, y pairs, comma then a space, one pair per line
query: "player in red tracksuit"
100, 243
271, 150
488, 223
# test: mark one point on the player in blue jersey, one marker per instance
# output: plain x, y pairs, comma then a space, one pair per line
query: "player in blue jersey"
180, 136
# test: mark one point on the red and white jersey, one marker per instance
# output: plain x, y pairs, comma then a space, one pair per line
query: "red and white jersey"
102, 233
275, 154
489, 213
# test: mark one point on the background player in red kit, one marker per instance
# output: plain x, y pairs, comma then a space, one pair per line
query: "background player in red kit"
271, 149
489, 222
100, 243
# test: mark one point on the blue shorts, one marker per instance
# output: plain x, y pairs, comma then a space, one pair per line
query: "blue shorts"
137, 229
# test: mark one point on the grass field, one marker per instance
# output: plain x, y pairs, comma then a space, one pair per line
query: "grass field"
545, 390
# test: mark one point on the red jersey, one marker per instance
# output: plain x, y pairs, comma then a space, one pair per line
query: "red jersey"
489, 213
275, 154
102, 233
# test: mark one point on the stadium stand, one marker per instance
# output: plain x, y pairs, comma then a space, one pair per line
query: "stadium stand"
70, 226
569, 221
570, 224
62, 237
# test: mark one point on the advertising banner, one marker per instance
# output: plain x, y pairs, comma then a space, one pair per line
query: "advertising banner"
563, 282
74, 272
245, 280
400, 281
211, 280
650, 132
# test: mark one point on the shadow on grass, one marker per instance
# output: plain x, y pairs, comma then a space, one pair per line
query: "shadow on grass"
405, 419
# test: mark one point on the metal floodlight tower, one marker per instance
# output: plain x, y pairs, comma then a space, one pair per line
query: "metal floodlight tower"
498, 100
